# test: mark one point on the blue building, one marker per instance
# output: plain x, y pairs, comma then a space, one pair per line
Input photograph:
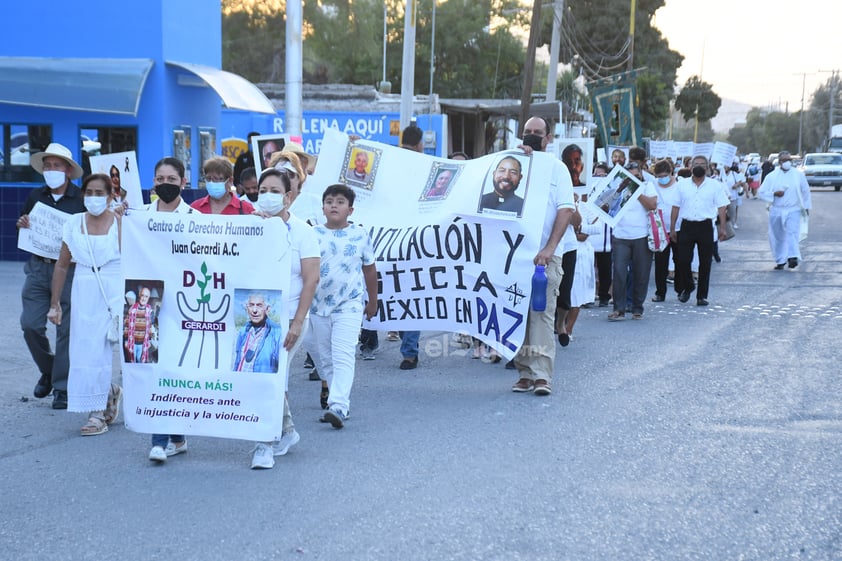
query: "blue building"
142, 76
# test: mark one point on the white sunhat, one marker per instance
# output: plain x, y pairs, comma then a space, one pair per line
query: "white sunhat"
59, 151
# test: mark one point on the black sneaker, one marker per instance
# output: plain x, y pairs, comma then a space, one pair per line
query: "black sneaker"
323, 396
43, 387
409, 364
59, 399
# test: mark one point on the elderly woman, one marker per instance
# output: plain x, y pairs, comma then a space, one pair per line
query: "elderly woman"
275, 195
92, 240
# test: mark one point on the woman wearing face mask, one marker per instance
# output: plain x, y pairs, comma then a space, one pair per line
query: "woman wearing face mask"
275, 195
91, 240
219, 182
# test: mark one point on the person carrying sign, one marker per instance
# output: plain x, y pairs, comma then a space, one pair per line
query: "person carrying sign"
57, 165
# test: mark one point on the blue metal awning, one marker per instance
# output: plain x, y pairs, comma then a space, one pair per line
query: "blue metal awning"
96, 84
236, 92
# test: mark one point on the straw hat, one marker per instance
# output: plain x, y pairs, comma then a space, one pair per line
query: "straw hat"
57, 150
298, 150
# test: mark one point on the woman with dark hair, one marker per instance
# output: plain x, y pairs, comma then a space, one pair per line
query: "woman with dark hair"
92, 240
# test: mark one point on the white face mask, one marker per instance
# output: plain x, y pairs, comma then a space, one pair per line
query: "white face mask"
96, 205
786, 165
271, 203
55, 179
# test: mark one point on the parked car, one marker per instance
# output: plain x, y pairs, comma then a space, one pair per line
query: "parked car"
823, 169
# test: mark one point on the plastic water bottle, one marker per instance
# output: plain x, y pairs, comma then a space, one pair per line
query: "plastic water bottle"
539, 289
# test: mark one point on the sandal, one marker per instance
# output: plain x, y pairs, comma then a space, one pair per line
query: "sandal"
95, 425
323, 396
616, 316
112, 406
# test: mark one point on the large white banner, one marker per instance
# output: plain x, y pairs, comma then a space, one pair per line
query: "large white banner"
204, 324
451, 255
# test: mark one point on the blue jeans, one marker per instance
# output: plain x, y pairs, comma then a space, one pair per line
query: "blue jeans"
409, 343
163, 439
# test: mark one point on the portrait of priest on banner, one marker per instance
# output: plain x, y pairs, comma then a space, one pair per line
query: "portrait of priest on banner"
360, 166
504, 190
441, 180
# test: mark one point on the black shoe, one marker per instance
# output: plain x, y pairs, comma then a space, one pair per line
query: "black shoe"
701, 302
59, 399
657, 298
780, 266
563, 339
684, 296
792, 262
604, 303
510, 365
43, 387
717, 258
409, 364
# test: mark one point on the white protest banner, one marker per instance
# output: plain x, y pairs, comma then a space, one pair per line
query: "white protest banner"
204, 331
43, 237
450, 254
703, 149
121, 167
661, 148
684, 149
609, 196
723, 154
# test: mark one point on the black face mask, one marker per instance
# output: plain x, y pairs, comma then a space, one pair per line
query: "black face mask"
698, 171
252, 196
168, 192
534, 142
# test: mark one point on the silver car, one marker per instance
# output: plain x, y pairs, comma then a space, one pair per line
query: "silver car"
823, 170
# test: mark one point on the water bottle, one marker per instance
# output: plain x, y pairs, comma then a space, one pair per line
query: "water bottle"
539, 289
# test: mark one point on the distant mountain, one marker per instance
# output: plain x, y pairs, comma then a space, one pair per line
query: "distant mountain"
730, 112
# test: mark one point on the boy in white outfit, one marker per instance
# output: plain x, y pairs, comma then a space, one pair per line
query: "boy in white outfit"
347, 274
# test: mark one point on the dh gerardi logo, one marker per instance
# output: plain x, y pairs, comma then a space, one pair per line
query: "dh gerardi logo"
205, 316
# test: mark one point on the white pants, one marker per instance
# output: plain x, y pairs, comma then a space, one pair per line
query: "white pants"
335, 342
784, 229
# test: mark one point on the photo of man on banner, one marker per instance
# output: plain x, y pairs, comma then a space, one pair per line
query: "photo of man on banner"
360, 166
442, 177
608, 196
500, 192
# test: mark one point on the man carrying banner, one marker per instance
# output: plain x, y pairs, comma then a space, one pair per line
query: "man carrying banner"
536, 357
57, 165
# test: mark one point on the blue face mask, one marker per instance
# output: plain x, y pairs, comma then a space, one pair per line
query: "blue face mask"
664, 180
216, 189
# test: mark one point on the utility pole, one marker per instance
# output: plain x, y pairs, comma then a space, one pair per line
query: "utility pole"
552, 75
408, 68
834, 83
294, 69
631, 36
801, 116
529, 68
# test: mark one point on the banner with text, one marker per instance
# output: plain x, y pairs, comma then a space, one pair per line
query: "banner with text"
204, 324
451, 254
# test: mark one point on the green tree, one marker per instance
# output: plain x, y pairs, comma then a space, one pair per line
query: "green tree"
698, 100
253, 40
595, 39
816, 121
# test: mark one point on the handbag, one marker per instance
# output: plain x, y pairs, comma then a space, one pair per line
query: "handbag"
804, 225
115, 325
658, 238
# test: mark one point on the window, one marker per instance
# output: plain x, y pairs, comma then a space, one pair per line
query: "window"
17, 143
96, 140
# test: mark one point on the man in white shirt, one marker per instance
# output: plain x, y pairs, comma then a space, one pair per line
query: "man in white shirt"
699, 200
788, 191
536, 359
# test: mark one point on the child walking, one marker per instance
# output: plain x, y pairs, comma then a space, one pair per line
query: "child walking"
346, 275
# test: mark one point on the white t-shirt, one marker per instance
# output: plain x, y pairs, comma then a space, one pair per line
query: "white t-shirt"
341, 281
304, 244
635, 222
561, 196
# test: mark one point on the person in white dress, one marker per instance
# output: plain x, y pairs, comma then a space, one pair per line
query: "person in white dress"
92, 240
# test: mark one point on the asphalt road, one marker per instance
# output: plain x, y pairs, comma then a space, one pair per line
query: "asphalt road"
698, 433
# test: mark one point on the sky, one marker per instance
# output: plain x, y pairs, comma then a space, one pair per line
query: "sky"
754, 51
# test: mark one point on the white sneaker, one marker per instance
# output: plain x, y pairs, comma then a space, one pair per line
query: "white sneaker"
263, 457
173, 450
157, 454
287, 441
